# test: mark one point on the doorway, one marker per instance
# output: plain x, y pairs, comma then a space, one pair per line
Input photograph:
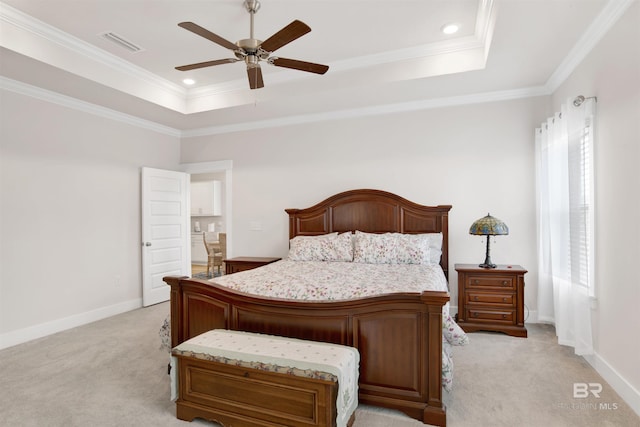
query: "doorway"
210, 171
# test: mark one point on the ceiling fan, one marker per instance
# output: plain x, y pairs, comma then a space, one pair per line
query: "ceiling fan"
252, 51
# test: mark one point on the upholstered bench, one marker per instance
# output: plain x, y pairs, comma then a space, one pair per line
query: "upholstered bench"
245, 379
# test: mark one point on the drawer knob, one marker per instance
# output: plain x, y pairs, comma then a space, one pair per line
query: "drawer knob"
504, 300
476, 281
505, 283
475, 298
475, 314
504, 316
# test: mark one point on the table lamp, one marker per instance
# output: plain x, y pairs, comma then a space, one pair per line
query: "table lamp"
488, 226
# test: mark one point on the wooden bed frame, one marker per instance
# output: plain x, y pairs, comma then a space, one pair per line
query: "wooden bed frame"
399, 336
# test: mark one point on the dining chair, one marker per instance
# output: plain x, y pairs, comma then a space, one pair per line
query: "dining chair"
214, 254
222, 242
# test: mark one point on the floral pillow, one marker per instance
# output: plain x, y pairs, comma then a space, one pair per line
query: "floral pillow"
327, 247
393, 248
374, 248
412, 249
343, 246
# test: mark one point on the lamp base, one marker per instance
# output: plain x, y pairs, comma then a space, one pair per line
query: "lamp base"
485, 265
487, 258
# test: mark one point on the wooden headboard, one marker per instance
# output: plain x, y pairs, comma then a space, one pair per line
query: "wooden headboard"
372, 211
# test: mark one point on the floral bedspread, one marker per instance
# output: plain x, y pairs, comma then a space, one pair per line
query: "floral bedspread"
332, 281
322, 281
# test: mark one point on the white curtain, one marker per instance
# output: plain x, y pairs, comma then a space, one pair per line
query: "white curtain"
564, 166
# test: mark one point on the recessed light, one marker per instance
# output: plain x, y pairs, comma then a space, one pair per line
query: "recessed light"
450, 28
189, 81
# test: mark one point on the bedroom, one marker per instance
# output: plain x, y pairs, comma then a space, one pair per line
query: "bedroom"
63, 241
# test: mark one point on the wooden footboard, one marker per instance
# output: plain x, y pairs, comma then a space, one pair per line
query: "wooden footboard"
399, 336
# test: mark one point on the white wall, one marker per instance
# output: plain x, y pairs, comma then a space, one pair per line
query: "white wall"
612, 73
69, 215
478, 158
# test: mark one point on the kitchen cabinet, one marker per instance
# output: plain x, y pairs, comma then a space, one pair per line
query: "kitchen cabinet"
206, 198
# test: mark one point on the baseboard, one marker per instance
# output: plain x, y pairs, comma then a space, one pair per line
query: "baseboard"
531, 316
9, 339
627, 392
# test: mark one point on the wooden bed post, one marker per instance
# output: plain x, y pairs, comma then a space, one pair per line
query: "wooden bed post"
435, 413
176, 309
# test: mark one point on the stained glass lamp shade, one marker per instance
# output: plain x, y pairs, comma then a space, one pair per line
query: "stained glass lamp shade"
488, 226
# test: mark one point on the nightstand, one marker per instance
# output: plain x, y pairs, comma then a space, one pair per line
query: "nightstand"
243, 263
491, 299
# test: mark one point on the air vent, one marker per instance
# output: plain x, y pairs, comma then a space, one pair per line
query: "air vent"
121, 41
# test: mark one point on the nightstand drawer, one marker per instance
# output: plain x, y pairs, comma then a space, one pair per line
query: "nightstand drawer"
505, 299
478, 315
493, 281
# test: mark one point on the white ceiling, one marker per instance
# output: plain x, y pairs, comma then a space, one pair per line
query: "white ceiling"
382, 55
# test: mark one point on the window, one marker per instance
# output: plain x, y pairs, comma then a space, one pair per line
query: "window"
565, 194
581, 204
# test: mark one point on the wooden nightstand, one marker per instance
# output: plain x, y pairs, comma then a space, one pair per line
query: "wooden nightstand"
491, 299
243, 263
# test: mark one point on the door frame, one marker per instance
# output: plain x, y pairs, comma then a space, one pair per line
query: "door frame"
225, 166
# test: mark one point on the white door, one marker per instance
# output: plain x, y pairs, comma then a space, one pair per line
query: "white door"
165, 231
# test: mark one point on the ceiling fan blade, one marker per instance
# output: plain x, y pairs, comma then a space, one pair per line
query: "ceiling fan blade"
202, 32
206, 64
255, 77
286, 35
300, 65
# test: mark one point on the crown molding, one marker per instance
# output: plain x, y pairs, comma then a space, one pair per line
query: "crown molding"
600, 26
485, 20
86, 107
52, 34
377, 110
33, 38
606, 19
485, 23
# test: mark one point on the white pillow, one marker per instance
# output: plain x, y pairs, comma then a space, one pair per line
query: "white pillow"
326, 247
435, 246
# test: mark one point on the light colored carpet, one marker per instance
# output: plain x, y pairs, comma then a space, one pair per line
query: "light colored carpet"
112, 373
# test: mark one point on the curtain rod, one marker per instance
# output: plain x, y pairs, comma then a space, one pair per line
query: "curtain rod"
580, 99
576, 103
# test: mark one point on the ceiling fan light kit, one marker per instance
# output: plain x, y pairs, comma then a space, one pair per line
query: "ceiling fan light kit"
253, 51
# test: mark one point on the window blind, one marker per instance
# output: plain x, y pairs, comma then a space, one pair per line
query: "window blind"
580, 158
